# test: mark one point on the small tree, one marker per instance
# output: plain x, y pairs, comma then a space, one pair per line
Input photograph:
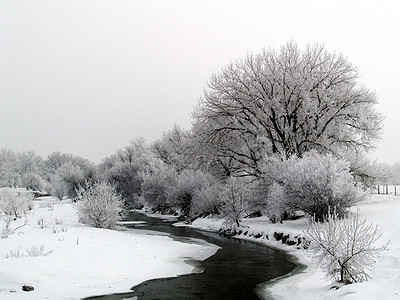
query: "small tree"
99, 205
275, 206
236, 200
344, 249
58, 187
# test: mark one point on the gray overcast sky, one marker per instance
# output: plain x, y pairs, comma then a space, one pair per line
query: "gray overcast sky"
86, 77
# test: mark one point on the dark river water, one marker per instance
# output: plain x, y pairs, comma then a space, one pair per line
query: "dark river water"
233, 273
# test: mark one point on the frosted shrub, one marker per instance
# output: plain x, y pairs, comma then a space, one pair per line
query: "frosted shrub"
36, 251
58, 221
276, 207
41, 223
314, 183
33, 251
12, 254
6, 230
33, 181
99, 205
55, 229
344, 249
15, 202
207, 201
155, 186
128, 179
187, 187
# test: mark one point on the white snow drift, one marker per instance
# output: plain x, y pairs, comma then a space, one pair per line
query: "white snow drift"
63, 259
310, 283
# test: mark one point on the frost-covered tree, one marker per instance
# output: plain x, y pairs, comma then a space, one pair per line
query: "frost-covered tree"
15, 202
56, 160
172, 148
314, 183
367, 172
57, 186
9, 175
99, 205
276, 205
28, 162
208, 200
65, 173
285, 102
156, 184
189, 193
33, 181
394, 177
23, 169
128, 179
344, 248
125, 170
236, 198
188, 186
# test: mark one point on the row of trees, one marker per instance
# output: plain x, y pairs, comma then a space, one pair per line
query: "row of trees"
59, 174
142, 176
292, 128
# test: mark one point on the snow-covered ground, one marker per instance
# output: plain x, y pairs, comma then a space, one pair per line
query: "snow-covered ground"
77, 261
84, 261
310, 283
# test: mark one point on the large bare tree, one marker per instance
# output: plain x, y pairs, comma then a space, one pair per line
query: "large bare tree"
285, 103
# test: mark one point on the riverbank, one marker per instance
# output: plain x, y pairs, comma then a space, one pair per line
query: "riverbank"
309, 283
63, 259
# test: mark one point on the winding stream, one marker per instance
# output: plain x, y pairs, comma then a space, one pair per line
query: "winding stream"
234, 272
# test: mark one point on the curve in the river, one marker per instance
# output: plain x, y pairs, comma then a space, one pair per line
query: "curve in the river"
233, 273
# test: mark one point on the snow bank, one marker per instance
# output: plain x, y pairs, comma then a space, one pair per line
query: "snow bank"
309, 283
83, 261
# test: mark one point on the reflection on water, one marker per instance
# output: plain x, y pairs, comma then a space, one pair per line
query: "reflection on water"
232, 273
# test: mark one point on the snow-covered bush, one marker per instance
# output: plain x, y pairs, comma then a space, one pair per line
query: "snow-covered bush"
15, 202
344, 248
41, 223
155, 186
58, 187
207, 200
127, 178
182, 192
6, 231
65, 173
99, 205
36, 251
33, 182
189, 193
314, 183
12, 254
276, 207
33, 251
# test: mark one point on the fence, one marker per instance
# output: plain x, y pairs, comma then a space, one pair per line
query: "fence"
387, 189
